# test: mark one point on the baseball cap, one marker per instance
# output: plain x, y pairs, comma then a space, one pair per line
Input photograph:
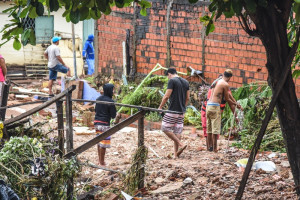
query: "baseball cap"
55, 39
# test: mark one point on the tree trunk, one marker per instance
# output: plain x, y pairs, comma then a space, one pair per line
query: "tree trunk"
271, 27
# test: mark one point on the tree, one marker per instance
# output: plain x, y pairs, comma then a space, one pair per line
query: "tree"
276, 24
75, 11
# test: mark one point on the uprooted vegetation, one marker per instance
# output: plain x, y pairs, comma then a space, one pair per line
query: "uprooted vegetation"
255, 99
32, 167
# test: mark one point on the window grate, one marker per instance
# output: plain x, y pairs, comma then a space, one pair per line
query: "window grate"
28, 23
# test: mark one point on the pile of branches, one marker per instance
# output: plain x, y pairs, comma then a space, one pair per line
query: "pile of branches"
32, 168
255, 99
149, 95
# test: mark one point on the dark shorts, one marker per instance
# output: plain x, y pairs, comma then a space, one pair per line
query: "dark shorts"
58, 68
172, 123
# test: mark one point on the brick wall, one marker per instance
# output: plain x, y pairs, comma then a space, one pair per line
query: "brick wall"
227, 47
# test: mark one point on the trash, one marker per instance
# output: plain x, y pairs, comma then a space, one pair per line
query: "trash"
242, 162
265, 165
127, 196
272, 155
187, 181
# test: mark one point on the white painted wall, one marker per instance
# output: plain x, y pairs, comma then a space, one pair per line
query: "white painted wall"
61, 28
12, 56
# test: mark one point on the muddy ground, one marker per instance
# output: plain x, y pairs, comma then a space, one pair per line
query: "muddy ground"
213, 175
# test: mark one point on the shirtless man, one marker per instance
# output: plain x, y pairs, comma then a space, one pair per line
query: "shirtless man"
213, 111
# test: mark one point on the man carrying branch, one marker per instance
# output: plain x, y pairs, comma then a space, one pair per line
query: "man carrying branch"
179, 94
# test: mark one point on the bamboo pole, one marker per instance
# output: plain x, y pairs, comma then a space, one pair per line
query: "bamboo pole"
60, 127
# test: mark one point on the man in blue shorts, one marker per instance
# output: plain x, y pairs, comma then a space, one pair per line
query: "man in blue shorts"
55, 62
178, 93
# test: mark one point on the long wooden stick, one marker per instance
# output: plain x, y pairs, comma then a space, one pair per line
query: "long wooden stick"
40, 107
104, 135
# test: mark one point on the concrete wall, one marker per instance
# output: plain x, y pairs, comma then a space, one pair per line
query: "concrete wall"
229, 46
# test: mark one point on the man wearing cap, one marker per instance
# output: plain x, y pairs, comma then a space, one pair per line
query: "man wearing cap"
55, 62
88, 54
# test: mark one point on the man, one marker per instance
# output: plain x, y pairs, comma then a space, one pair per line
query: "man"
88, 54
213, 111
55, 62
178, 93
203, 109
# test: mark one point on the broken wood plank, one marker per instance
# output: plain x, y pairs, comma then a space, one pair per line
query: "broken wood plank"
106, 134
21, 104
40, 107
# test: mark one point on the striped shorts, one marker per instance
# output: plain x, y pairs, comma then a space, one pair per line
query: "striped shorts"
172, 123
99, 130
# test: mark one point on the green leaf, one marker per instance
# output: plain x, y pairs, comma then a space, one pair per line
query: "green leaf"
193, 1
24, 12
204, 19
263, 3
17, 31
95, 13
251, 5
237, 6
25, 36
32, 38
67, 12
210, 27
75, 16
107, 11
296, 73
84, 13
144, 4
143, 12
213, 6
54, 5
102, 5
32, 13
119, 3
17, 44
297, 1
40, 9
230, 13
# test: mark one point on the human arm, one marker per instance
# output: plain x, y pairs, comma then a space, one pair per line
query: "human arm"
46, 54
165, 98
187, 97
84, 50
3, 66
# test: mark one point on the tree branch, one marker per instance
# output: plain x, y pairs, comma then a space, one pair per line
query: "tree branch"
246, 26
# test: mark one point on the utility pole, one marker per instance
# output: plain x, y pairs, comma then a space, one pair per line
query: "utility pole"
74, 51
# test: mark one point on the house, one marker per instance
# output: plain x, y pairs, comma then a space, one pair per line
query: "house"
29, 61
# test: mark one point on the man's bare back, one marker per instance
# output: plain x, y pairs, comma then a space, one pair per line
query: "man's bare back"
219, 92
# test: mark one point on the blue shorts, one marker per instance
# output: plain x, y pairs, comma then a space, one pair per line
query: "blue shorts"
58, 68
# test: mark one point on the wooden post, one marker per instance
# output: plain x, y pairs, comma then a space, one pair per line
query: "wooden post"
140, 144
60, 127
69, 139
4, 97
134, 41
169, 32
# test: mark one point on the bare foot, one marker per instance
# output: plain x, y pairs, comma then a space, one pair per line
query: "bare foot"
181, 149
102, 164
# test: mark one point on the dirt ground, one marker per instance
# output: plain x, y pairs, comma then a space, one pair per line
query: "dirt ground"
213, 175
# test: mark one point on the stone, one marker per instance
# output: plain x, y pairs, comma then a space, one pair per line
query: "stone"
159, 180
168, 188
188, 181
230, 191
285, 164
